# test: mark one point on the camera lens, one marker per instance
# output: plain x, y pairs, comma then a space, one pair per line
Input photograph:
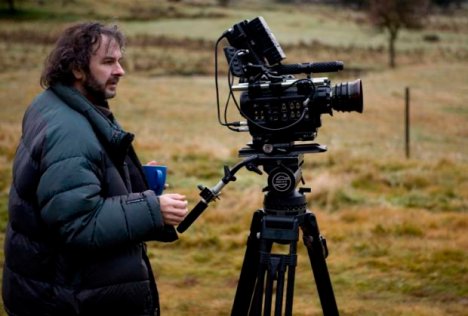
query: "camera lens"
347, 96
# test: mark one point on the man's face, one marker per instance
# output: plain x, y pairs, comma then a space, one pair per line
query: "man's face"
105, 71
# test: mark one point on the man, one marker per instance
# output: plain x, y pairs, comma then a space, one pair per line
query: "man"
80, 209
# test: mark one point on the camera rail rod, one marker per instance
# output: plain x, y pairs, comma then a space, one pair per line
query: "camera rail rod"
269, 85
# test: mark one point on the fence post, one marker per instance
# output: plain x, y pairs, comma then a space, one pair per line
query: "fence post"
407, 122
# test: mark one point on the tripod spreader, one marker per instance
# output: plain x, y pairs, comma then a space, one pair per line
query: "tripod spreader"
208, 195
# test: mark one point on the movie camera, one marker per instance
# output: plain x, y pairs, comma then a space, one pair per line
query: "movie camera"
279, 108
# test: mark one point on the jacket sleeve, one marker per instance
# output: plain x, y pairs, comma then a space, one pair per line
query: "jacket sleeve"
69, 196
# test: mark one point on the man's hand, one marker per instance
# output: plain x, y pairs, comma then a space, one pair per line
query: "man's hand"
173, 208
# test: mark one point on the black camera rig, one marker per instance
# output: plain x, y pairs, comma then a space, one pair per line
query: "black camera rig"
279, 108
282, 115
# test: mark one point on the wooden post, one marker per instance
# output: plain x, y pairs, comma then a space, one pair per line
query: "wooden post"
407, 122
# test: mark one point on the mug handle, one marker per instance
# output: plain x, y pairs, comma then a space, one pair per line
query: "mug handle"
159, 176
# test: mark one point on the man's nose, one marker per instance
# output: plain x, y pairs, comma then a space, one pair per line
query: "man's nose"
118, 70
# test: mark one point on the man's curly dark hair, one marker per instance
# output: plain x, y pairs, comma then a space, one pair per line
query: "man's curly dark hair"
73, 51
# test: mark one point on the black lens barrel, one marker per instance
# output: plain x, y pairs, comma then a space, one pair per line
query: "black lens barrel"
347, 96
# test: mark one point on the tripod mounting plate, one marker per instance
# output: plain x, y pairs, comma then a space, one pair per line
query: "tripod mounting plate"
278, 150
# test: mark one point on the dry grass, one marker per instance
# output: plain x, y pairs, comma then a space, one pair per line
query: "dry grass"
395, 227
383, 262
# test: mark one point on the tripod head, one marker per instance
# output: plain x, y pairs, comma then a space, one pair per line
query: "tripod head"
282, 163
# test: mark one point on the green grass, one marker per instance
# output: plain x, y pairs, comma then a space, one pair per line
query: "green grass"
395, 227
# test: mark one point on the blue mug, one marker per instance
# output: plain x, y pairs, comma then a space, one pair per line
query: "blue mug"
156, 177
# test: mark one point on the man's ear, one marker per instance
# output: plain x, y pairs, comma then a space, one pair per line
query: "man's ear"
79, 74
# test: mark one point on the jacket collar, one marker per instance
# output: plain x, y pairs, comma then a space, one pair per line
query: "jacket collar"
113, 137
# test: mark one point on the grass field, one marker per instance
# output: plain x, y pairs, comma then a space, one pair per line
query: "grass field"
396, 227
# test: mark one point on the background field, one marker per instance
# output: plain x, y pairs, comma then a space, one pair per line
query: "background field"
395, 227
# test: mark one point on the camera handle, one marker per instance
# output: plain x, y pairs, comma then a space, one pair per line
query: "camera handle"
307, 68
208, 195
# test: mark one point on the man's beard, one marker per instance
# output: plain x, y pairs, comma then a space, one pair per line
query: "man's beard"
96, 90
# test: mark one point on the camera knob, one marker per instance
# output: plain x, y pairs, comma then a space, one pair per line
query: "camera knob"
268, 148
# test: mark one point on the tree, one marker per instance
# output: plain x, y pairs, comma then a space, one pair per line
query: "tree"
393, 15
11, 6
446, 4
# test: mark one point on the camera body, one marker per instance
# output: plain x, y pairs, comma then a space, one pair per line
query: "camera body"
278, 107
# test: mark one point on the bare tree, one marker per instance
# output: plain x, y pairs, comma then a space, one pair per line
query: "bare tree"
393, 15
11, 6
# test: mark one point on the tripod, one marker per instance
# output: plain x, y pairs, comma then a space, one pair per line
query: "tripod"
254, 292
285, 211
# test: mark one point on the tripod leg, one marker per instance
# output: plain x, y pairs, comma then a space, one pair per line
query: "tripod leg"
250, 266
282, 267
274, 267
263, 270
270, 279
279, 294
291, 278
316, 252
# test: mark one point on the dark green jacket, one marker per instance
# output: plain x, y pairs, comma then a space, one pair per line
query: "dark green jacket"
79, 212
